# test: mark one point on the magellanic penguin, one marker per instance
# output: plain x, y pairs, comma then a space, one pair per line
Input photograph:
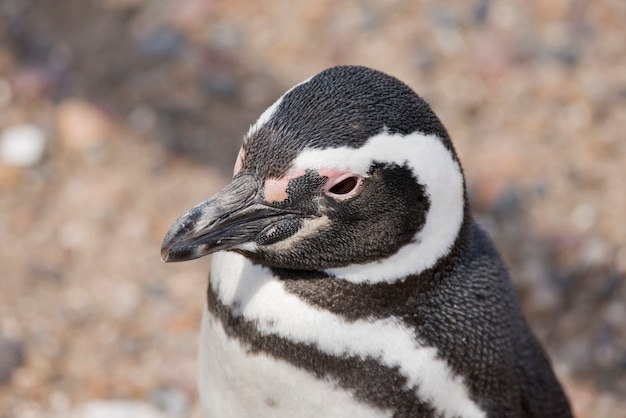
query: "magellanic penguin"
349, 278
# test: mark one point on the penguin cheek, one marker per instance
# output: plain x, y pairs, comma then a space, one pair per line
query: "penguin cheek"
279, 231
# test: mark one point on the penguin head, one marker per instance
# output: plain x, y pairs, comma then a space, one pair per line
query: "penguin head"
349, 172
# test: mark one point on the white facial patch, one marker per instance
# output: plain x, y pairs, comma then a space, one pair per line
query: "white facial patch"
253, 292
434, 168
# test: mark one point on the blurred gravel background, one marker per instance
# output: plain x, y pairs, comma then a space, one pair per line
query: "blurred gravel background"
117, 115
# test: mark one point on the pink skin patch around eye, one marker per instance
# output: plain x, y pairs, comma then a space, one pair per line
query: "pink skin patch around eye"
275, 190
336, 176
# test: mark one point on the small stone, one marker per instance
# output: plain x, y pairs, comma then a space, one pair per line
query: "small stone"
507, 204
480, 12
81, 126
584, 216
11, 357
73, 234
162, 43
594, 251
122, 6
220, 83
22, 145
34, 82
116, 409
127, 298
171, 400
10, 176
142, 119
543, 299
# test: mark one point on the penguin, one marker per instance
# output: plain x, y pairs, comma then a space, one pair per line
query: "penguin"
348, 277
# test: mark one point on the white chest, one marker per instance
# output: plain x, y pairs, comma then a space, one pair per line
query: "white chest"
236, 383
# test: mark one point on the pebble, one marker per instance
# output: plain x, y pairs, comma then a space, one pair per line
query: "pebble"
74, 234
11, 357
173, 401
10, 176
544, 299
142, 119
35, 82
594, 251
122, 6
480, 12
507, 204
22, 145
81, 126
584, 216
116, 409
162, 43
219, 83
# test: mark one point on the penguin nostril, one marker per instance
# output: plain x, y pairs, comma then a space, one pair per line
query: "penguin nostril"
345, 186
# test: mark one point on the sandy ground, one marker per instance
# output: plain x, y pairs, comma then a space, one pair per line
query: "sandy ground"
141, 105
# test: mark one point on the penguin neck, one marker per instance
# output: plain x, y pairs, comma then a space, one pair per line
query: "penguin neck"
235, 280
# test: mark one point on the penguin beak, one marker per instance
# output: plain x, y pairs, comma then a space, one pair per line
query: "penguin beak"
233, 216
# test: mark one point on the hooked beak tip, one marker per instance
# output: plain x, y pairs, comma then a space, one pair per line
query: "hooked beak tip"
164, 255
168, 244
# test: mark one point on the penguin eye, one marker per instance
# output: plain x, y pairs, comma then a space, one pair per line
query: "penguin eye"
341, 185
343, 188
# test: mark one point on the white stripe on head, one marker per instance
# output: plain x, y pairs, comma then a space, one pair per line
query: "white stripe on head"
434, 168
269, 112
251, 291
